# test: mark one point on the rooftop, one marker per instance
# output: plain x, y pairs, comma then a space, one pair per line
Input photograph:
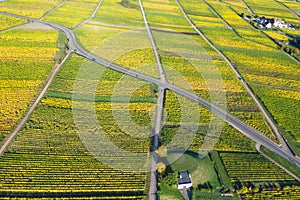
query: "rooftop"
184, 178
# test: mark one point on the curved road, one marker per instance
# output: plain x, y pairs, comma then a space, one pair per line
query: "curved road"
230, 119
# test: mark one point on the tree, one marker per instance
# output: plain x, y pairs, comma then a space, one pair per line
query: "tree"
243, 190
161, 169
162, 151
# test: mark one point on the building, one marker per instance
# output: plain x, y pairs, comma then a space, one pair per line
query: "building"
184, 180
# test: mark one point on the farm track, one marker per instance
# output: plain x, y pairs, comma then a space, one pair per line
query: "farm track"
245, 84
90, 17
159, 109
53, 9
233, 121
248, 8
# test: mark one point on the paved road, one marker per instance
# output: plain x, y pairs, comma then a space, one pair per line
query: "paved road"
238, 75
159, 110
236, 123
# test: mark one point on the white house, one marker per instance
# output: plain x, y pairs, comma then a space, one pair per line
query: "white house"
278, 23
269, 25
184, 180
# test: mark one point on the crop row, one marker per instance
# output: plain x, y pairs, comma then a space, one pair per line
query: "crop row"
72, 12
270, 8
115, 13
8, 22
283, 104
28, 8
177, 124
186, 64
292, 193
59, 152
252, 167
23, 70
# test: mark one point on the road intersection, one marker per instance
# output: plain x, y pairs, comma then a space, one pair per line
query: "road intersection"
245, 129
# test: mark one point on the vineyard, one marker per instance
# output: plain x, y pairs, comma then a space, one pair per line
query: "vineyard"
90, 136
251, 167
117, 14
9, 22
272, 69
28, 8
71, 13
23, 70
191, 133
48, 155
270, 8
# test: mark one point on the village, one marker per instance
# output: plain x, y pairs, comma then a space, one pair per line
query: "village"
269, 23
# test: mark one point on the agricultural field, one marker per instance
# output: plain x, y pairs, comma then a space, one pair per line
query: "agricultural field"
255, 177
9, 22
184, 58
272, 64
130, 49
29, 8
71, 13
165, 15
119, 13
270, 8
52, 151
196, 132
23, 70
252, 167
92, 134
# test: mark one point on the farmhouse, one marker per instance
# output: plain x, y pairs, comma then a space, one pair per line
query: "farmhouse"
268, 23
184, 180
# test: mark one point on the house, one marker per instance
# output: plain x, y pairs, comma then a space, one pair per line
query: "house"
269, 25
184, 180
278, 23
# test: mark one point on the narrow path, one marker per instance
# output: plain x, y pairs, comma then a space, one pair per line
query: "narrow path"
238, 75
245, 129
90, 17
248, 8
154, 48
53, 9
258, 146
159, 109
13, 28
20, 125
